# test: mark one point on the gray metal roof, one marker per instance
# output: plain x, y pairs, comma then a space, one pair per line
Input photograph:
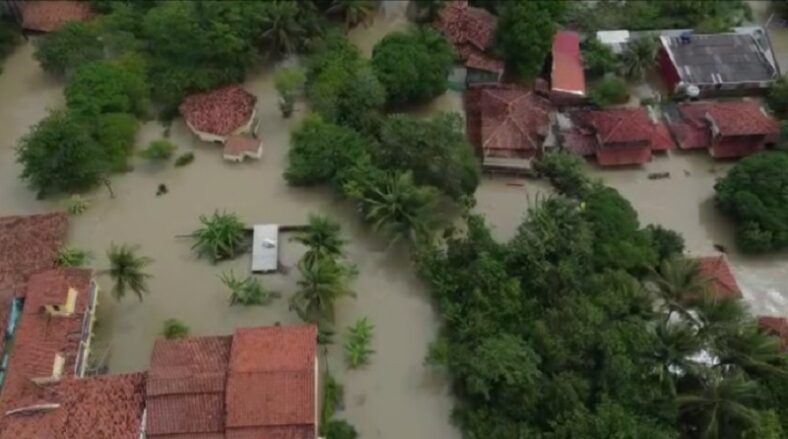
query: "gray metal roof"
265, 248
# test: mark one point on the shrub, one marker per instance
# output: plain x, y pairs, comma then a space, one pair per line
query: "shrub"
599, 59
564, 171
288, 82
116, 133
319, 150
220, 236
357, 343
73, 257
248, 291
777, 99
174, 328
340, 429
72, 45
610, 91
184, 159
76, 205
159, 150
108, 87
753, 193
414, 66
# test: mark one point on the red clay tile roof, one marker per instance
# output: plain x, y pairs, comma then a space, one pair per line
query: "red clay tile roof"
621, 125
567, 71
742, 118
719, 274
265, 364
462, 24
662, 140
514, 121
47, 16
236, 145
481, 61
734, 119
186, 384
628, 156
777, 326
220, 111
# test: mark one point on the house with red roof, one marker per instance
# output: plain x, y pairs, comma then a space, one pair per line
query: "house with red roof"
725, 129
218, 114
616, 136
777, 326
508, 125
49, 15
717, 272
567, 77
472, 32
238, 148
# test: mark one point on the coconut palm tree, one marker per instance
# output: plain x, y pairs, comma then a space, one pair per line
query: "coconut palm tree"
399, 207
354, 11
322, 283
720, 408
222, 236
249, 291
720, 317
321, 238
639, 58
752, 351
126, 270
283, 26
676, 343
678, 282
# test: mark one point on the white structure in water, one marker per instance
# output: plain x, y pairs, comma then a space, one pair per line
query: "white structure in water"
265, 248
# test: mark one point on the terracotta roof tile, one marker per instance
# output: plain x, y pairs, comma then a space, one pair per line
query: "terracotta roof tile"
220, 111
622, 125
742, 118
192, 413
719, 274
240, 144
662, 140
47, 16
514, 121
567, 71
462, 24
777, 326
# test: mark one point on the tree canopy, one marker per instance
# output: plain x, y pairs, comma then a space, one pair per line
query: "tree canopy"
525, 34
109, 87
71, 46
413, 66
754, 194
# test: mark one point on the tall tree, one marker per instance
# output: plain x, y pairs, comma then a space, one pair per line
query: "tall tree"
322, 239
126, 270
639, 58
525, 34
678, 283
322, 283
721, 407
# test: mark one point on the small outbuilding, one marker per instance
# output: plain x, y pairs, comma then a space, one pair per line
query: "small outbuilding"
567, 78
237, 148
48, 16
218, 114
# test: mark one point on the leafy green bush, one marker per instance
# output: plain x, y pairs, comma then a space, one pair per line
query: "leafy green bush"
174, 328
319, 150
357, 343
76, 205
414, 66
159, 150
73, 257
435, 150
116, 133
340, 429
248, 291
667, 242
72, 45
610, 91
753, 194
599, 58
60, 155
221, 236
109, 87
777, 99
333, 394
288, 82
184, 159
564, 171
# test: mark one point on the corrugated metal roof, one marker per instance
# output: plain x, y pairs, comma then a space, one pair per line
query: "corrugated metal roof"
265, 248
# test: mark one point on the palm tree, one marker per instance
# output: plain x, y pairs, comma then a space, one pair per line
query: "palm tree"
720, 407
222, 236
676, 343
284, 29
321, 238
399, 207
678, 282
355, 11
640, 57
720, 317
249, 291
322, 283
755, 352
126, 270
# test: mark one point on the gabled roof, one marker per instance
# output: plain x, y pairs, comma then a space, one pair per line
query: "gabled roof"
236, 145
513, 120
777, 326
49, 15
265, 364
720, 276
741, 118
620, 125
462, 24
220, 111
481, 61
567, 71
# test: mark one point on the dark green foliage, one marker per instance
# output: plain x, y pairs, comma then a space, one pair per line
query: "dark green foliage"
60, 155
109, 87
599, 59
777, 99
435, 150
666, 242
159, 150
115, 133
220, 236
174, 328
340, 429
525, 34
71, 46
184, 159
610, 91
639, 58
754, 195
414, 66
9, 37
126, 270
564, 171
320, 149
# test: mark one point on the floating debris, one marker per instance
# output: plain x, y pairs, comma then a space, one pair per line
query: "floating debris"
658, 175
162, 189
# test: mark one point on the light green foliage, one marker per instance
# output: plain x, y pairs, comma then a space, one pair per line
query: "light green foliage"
109, 87
564, 171
754, 195
59, 155
333, 395
358, 339
248, 291
322, 239
174, 329
77, 205
288, 83
610, 91
221, 236
126, 270
73, 257
435, 150
413, 66
72, 45
319, 150
525, 34
184, 159
159, 150
321, 283
599, 58
116, 133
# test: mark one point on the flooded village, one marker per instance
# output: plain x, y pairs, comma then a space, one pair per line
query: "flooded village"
397, 395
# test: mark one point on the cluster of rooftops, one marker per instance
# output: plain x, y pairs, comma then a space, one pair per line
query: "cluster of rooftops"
256, 383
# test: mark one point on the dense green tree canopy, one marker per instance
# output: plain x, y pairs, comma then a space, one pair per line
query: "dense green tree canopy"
413, 66
610, 91
435, 150
108, 87
115, 133
777, 99
599, 58
525, 34
755, 195
73, 45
